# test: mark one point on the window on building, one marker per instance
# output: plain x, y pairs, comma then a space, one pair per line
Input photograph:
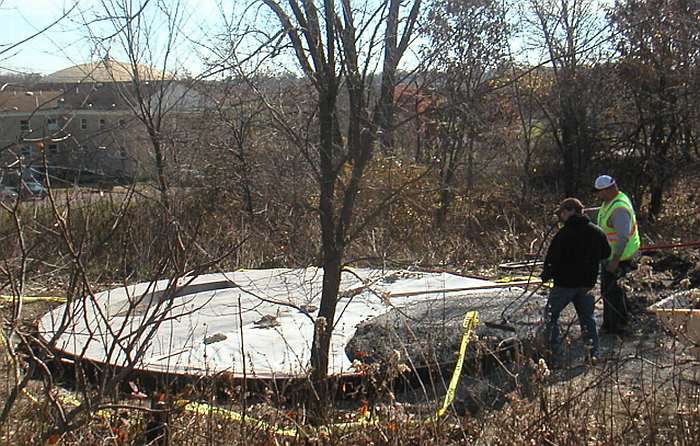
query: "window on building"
83, 124
51, 124
24, 125
53, 148
103, 123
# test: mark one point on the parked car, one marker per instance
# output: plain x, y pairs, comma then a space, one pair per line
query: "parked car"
32, 190
7, 194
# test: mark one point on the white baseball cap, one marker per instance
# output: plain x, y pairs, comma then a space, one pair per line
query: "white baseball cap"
603, 182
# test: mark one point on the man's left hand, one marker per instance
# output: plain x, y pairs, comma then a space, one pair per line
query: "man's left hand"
612, 265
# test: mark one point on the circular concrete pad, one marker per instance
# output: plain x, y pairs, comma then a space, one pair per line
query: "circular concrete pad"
257, 323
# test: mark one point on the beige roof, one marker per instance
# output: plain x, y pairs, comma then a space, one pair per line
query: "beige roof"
106, 70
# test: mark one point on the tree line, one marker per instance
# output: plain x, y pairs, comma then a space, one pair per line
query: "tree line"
313, 104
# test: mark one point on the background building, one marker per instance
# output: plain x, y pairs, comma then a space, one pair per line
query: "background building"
80, 124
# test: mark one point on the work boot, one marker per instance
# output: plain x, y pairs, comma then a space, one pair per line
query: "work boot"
594, 360
592, 357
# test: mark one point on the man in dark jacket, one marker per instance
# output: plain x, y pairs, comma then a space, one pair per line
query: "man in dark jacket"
572, 261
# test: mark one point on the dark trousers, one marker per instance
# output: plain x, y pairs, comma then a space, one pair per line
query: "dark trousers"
615, 314
584, 303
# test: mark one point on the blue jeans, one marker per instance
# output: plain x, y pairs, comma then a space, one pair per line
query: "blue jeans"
584, 303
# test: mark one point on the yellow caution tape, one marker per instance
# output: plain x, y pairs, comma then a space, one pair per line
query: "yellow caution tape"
471, 320
364, 420
232, 415
507, 279
30, 299
208, 409
531, 279
71, 400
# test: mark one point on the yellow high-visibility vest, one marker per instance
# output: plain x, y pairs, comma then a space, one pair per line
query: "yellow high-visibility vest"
606, 210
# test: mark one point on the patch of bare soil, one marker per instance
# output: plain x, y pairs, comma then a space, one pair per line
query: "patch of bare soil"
645, 378
502, 363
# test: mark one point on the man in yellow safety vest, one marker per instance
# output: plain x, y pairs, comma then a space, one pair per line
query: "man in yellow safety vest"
617, 219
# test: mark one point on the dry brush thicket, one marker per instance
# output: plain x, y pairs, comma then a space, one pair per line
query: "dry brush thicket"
454, 165
645, 392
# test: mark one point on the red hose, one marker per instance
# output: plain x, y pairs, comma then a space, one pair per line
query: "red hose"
659, 247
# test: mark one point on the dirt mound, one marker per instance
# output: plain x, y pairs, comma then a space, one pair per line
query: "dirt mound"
661, 273
429, 332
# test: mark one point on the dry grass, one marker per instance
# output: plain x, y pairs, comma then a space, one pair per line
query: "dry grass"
645, 392
651, 403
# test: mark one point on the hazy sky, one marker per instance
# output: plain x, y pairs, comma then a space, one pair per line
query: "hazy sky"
20, 19
67, 43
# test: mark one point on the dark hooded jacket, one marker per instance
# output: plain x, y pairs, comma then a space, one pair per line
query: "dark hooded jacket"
574, 256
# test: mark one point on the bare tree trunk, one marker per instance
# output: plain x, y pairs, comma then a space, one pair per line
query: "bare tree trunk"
332, 252
385, 107
324, 325
565, 29
568, 151
525, 182
314, 35
662, 137
445, 195
657, 195
470, 165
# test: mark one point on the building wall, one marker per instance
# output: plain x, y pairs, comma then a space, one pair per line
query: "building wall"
84, 131
75, 142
